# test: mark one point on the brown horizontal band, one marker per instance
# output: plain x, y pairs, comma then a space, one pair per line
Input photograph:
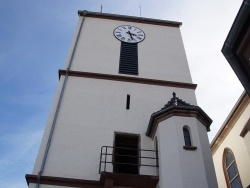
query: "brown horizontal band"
128, 79
129, 18
123, 180
69, 182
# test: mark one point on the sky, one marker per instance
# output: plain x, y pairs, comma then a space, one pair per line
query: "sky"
34, 40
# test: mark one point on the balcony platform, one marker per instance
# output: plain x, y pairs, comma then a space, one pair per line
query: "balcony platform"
128, 180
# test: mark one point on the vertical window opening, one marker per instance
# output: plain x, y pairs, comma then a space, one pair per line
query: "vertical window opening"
128, 58
231, 170
128, 102
126, 154
187, 137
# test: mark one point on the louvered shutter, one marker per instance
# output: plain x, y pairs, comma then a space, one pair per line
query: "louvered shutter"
128, 59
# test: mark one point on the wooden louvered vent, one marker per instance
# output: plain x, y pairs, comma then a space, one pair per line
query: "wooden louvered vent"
128, 59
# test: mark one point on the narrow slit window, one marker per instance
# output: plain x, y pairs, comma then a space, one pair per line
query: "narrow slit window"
128, 102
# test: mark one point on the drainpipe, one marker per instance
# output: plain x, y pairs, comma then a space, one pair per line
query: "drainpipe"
58, 107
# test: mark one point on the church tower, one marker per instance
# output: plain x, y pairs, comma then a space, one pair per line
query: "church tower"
125, 112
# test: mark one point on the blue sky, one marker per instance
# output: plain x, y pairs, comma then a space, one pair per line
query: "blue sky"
34, 40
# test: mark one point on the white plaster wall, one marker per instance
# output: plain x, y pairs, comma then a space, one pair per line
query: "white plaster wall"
92, 110
237, 145
161, 55
40, 155
207, 155
180, 167
247, 142
169, 159
88, 117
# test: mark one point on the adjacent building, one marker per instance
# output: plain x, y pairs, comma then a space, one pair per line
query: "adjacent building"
231, 147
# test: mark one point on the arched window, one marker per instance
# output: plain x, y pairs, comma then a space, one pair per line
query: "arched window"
186, 135
231, 170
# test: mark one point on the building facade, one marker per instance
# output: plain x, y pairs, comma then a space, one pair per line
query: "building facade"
125, 112
231, 147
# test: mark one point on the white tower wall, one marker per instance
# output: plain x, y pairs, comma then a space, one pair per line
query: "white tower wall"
180, 167
91, 103
161, 55
85, 113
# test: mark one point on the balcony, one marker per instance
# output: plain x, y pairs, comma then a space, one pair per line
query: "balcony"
129, 167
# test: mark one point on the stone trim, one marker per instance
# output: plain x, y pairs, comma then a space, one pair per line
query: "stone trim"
128, 18
128, 79
107, 180
192, 148
59, 181
177, 107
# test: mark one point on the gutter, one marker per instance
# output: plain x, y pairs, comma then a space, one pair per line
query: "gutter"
231, 43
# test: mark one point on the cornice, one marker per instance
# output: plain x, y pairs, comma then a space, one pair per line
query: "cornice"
127, 79
59, 181
177, 107
86, 13
230, 121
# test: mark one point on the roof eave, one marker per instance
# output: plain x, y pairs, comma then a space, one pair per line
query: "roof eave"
129, 18
231, 43
195, 110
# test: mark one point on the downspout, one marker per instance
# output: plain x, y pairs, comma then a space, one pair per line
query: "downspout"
58, 108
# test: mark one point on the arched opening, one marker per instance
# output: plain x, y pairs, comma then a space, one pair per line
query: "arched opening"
187, 138
231, 170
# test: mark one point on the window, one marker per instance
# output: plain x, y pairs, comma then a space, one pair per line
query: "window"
126, 154
231, 170
128, 58
128, 102
187, 138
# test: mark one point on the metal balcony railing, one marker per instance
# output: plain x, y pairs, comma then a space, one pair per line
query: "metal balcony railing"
130, 160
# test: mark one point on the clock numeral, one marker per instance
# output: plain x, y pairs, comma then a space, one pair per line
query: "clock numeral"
129, 40
140, 35
118, 35
122, 38
117, 32
124, 27
139, 32
119, 29
139, 38
129, 27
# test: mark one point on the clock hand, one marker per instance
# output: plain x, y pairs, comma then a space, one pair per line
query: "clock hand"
130, 34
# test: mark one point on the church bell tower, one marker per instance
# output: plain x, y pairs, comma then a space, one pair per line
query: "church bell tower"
125, 112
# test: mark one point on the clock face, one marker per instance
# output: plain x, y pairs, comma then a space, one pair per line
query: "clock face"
129, 34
